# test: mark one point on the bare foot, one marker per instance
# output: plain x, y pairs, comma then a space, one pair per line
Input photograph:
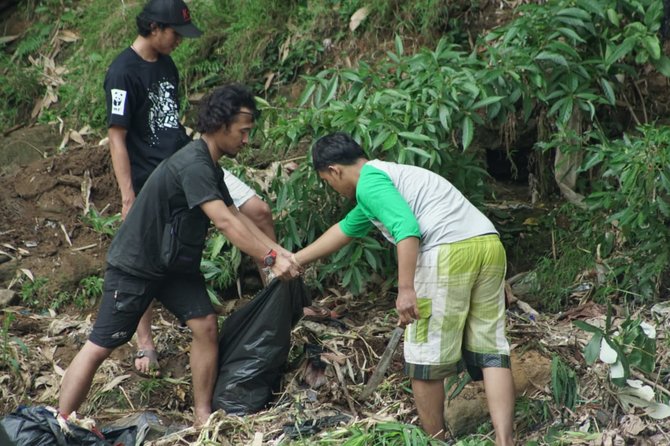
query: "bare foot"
201, 418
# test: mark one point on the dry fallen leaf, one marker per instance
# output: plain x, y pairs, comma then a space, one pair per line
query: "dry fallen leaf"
75, 136
28, 274
7, 39
115, 382
357, 17
68, 36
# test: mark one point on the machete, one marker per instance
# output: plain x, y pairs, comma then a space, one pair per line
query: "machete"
384, 362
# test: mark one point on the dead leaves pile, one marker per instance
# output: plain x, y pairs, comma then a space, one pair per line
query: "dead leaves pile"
332, 357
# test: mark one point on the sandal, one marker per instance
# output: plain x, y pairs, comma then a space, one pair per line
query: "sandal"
154, 366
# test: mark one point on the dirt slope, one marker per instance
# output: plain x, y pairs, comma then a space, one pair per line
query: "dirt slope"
41, 210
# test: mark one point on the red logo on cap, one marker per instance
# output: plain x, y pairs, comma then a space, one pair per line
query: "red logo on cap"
186, 15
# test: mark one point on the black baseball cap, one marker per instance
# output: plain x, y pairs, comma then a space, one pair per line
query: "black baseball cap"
173, 13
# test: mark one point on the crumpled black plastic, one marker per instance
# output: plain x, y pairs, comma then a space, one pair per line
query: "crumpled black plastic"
314, 426
33, 426
253, 347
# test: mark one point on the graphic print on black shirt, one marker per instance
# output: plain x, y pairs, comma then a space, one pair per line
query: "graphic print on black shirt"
163, 110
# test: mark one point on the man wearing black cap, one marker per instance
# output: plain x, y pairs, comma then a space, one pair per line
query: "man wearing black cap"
141, 87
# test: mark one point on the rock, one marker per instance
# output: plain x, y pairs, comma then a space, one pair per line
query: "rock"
8, 298
8, 271
465, 413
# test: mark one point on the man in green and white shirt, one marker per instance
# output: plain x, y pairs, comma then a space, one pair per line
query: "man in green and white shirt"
451, 274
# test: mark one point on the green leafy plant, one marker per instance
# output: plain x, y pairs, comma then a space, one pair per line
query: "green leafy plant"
634, 197
104, 225
628, 348
62, 298
220, 264
386, 433
149, 387
531, 412
563, 384
34, 292
10, 345
90, 290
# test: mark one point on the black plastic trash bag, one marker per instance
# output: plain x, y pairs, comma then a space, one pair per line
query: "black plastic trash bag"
38, 426
254, 345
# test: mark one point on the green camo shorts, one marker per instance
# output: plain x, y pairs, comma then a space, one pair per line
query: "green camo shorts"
460, 290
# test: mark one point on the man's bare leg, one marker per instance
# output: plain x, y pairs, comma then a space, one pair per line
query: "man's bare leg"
429, 399
204, 360
79, 377
145, 342
499, 387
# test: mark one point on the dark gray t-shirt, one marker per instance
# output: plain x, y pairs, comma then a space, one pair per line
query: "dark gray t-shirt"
168, 206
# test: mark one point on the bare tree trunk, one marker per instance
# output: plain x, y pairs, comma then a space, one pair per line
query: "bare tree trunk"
566, 164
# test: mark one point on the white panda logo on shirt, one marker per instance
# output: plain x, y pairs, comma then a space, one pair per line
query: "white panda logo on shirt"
118, 101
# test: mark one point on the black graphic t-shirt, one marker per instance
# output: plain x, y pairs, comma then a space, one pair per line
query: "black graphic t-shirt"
174, 191
143, 98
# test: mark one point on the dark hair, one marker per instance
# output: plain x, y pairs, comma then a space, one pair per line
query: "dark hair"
336, 148
222, 105
144, 27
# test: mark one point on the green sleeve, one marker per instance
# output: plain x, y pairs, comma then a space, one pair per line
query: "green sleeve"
355, 224
379, 199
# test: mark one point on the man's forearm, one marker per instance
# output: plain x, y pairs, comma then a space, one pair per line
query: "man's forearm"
255, 230
121, 166
408, 252
329, 242
236, 229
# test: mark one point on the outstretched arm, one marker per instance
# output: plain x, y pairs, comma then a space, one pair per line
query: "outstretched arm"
329, 242
238, 231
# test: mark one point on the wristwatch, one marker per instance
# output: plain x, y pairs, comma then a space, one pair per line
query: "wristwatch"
270, 258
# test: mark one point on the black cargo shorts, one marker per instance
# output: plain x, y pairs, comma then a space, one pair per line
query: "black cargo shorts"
126, 297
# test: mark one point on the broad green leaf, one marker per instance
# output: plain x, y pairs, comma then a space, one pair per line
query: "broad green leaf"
417, 137
399, 47
663, 65
380, 138
556, 58
587, 327
653, 46
419, 152
261, 101
613, 17
332, 89
217, 245
371, 259
566, 111
444, 116
487, 101
306, 94
570, 33
608, 90
619, 52
592, 349
351, 76
468, 132
575, 12
593, 6
571, 21
398, 94
391, 141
